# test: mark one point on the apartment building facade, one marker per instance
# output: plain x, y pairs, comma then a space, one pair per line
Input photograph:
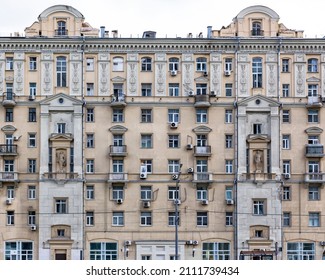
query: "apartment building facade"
150, 148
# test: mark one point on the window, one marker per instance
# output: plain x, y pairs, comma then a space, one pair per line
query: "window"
173, 64
201, 140
32, 114
313, 90
285, 141
257, 29
259, 207
313, 166
103, 251
313, 192
201, 64
201, 192
300, 251
314, 219
313, 139
312, 65
9, 165
229, 166
228, 89
61, 71
118, 166
229, 192
90, 89
18, 250
32, 63
285, 90
90, 116
286, 116
313, 115
173, 89
90, 220
146, 115
201, 115
286, 167
202, 218
9, 63
257, 72
201, 166
173, 166
215, 251
90, 166
228, 64
61, 31
90, 140
173, 141
89, 64
118, 192
32, 166
173, 115
146, 141
173, 193
31, 193
146, 90
10, 218
145, 219
201, 89
286, 193
118, 219
286, 219
90, 192
148, 164
9, 114
10, 192
32, 140
31, 220
146, 64
146, 193
285, 65
61, 206
173, 218
118, 140
257, 128
61, 127
118, 93
9, 95
229, 218
118, 115
229, 141
228, 116
118, 64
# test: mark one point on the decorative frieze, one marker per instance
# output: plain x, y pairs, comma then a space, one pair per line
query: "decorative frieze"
103, 74
132, 74
76, 74
243, 74
47, 74
160, 74
188, 73
19, 73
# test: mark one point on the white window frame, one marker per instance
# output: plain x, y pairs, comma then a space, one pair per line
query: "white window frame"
117, 218
146, 218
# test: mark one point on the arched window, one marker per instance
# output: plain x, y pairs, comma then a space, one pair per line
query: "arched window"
118, 64
173, 64
61, 31
257, 29
257, 72
61, 71
146, 64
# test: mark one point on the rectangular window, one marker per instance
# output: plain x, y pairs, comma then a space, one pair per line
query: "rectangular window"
147, 163
146, 141
90, 166
173, 115
228, 116
31, 193
32, 63
314, 219
301, 251
229, 141
286, 193
18, 250
229, 218
286, 167
173, 89
117, 192
32, 114
103, 251
201, 64
313, 90
285, 65
32, 166
229, 166
118, 115
201, 115
201, 193
313, 115
32, 90
61, 71
228, 64
61, 206
61, 128
10, 218
202, 218
9, 165
216, 251
90, 192
285, 141
173, 166
146, 193
31, 220
90, 140
90, 219
173, 218
146, 115
228, 90
118, 219
286, 116
90, 89
229, 192
286, 219
313, 192
285, 90
90, 116
89, 64
257, 128
257, 72
10, 192
259, 207
201, 89
173, 193
145, 219
9, 115
173, 141
31, 140
9, 63
146, 90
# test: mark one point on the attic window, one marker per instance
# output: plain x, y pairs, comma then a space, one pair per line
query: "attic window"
61, 31
257, 29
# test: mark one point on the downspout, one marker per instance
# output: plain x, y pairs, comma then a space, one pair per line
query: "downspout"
236, 153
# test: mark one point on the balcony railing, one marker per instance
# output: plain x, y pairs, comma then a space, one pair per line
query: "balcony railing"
314, 150
314, 101
202, 151
8, 176
61, 176
203, 177
8, 99
117, 150
202, 101
118, 100
8, 149
117, 177
314, 177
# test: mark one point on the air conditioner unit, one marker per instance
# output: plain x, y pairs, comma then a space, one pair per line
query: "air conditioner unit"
213, 93
177, 201
204, 202
31, 97
189, 147
143, 175
119, 201
33, 227
190, 170
8, 201
189, 242
229, 201
205, 73
227, 73
195, 242
286, 176
127, 242
322, 243
174, 125
146, 204
191, 93
175, 176
173, 72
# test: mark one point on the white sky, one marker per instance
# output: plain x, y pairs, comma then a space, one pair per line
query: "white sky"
169, 18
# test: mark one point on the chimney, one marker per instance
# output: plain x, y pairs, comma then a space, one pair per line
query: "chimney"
209, 35
102, 31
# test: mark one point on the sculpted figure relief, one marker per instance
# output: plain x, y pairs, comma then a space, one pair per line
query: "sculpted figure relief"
258, 160
61, 161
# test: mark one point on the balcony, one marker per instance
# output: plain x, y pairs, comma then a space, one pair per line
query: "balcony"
8, 177
61, 176
118, 100
202, 177
314, 102
8, 99
314, 177
314, 150
117, 151
8, 150
117, 177
202, 101
204, 151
